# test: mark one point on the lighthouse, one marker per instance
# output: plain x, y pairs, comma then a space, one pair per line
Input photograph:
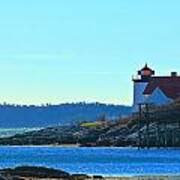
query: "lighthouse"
141, 81
155, 90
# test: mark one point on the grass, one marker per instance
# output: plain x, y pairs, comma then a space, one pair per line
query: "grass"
92, 124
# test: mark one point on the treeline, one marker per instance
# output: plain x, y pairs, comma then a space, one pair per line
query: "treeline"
12, 116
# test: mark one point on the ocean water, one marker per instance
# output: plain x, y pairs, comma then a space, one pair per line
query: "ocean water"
102, 161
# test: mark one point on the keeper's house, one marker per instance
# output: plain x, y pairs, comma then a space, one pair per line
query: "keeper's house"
156, 90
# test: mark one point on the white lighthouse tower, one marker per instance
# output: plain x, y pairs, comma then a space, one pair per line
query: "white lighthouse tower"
140, 82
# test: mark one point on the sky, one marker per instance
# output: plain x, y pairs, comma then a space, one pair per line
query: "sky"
58, 51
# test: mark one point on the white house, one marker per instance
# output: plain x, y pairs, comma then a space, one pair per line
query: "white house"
156, 90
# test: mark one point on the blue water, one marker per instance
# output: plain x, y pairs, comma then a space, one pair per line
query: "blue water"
103, 161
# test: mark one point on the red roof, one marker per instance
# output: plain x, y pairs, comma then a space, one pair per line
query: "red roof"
146, 68
169, 85
146, 71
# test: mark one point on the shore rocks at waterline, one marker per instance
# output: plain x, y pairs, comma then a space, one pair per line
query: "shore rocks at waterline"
42, 173
24, 172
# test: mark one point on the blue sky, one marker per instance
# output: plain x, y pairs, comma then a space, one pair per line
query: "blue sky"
55, 51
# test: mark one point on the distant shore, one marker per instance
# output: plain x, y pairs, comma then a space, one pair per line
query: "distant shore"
79, 146
48, 145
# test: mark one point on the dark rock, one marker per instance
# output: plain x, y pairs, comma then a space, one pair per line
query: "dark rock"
98, 177
2, 178
80, 176
37, 172
17, 178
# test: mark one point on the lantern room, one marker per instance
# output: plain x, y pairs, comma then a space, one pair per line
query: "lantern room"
146, 72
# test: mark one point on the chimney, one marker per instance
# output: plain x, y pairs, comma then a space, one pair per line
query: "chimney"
173, 74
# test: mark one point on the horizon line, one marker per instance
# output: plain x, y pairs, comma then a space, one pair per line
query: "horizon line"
63, 103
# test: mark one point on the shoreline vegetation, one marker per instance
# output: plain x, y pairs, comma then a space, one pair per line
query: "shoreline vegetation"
35, 173
105, 133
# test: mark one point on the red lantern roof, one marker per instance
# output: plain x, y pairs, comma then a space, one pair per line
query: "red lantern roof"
146, 71
146, 68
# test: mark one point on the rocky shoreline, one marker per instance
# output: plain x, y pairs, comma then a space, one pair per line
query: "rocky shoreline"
42, 173
124, 132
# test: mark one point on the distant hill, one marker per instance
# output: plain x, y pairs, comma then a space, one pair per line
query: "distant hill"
16, 116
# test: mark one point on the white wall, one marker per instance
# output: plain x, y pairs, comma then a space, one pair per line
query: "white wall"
139, 97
